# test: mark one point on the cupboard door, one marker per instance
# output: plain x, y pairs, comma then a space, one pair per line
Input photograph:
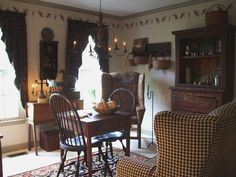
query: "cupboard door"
48, 59
195, 101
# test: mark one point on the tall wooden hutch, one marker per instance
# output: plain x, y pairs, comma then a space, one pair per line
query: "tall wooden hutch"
204, 69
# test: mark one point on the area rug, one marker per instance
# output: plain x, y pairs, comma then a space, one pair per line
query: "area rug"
51, 170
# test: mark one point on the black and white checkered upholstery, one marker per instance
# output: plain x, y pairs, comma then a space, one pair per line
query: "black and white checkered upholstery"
192, 145
222, 160
129, 167
184, 143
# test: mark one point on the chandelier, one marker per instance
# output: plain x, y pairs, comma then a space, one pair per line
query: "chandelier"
100, 35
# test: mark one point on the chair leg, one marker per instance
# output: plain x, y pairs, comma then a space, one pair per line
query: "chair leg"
61, 152
123, 146
109, 143
99, 155
63, 158
85, 158
139, 135
107, 167
77, 165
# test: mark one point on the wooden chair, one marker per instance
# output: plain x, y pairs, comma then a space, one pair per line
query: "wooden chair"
134, 82
71, 132
126, 103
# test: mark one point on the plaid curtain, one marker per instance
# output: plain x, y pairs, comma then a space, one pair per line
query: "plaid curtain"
79, 31
13, 26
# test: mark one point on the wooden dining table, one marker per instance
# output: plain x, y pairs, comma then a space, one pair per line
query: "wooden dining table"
99, 124
93, 124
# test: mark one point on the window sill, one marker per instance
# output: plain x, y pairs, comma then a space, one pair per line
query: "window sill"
12, 122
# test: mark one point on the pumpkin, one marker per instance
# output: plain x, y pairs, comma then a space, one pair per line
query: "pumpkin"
99, 106
111, 104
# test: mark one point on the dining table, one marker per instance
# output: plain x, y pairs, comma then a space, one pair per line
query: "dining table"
93, 124
98, 124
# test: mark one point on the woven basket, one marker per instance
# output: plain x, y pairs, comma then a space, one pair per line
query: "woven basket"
161, 64
141, 60
216, 17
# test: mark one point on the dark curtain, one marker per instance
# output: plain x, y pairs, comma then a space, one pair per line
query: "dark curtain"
79, 31
13, 25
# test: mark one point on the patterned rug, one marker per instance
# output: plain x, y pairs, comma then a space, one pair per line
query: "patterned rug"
51, 170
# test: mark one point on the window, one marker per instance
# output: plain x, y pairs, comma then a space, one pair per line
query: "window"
89, 79
10, 105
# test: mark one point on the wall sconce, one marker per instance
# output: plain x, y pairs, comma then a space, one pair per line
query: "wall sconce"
42, 94
116, 50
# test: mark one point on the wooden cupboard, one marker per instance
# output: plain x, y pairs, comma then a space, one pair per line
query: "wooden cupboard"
204, 68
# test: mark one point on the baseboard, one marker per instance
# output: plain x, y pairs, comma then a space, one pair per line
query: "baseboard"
16, 147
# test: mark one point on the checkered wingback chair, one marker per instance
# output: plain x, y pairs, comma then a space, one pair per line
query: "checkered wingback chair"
134, 82
190, 146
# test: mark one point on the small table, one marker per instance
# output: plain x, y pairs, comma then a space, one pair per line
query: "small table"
37, 113
40, 113
99, 124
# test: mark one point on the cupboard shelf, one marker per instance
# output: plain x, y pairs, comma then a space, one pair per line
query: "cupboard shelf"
200, 57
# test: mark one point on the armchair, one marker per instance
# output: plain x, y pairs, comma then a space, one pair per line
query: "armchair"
134, 82
190, 145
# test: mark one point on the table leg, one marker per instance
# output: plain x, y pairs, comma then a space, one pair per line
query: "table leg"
89, 156
35, 140
29, 137
127, 153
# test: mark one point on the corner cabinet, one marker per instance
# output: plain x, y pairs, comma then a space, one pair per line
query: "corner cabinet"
204, 69
48, 59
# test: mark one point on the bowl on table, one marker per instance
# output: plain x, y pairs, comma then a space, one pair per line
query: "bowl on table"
106, 107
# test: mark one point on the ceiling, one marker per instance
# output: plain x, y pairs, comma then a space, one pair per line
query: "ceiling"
123, 8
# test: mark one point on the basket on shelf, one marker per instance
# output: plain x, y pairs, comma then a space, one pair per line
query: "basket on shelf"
161, 64
216, 15
141, 60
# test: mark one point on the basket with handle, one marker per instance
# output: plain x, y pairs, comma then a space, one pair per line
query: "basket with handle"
216, 15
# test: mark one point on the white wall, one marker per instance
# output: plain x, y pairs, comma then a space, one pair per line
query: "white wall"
144, 26
147, 26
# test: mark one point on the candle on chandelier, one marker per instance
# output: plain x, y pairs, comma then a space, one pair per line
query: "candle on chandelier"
74, 44
116, 47
124, 44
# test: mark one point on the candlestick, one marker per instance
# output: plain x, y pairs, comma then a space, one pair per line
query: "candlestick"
150, 95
